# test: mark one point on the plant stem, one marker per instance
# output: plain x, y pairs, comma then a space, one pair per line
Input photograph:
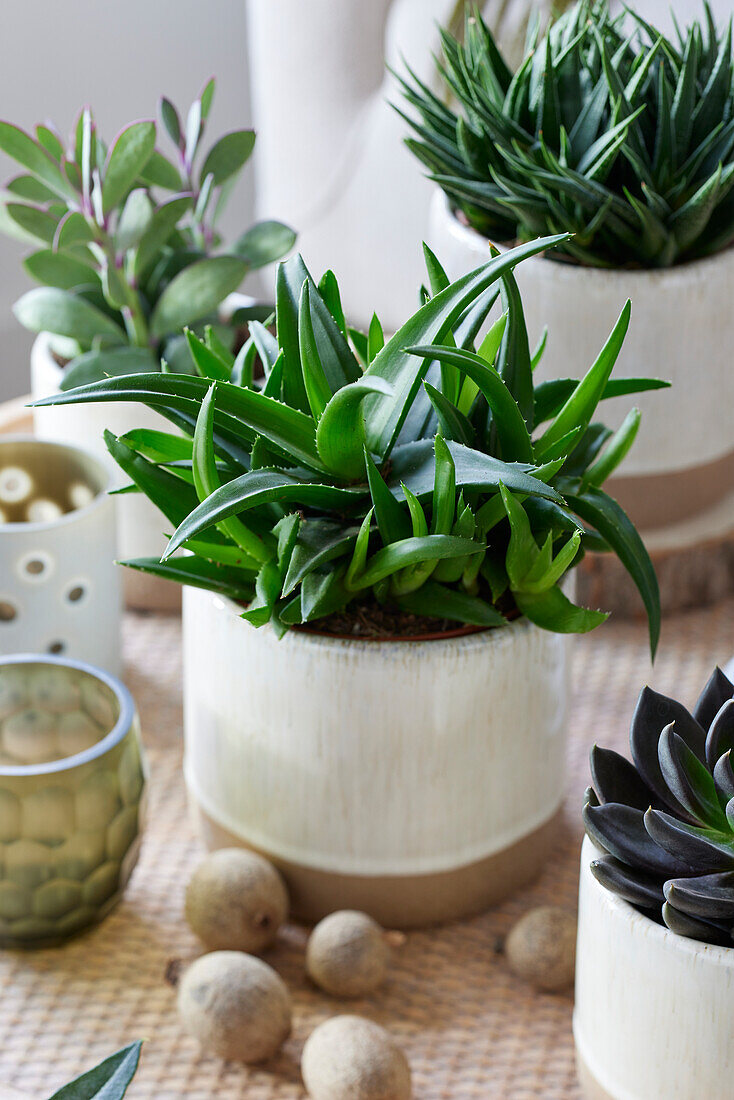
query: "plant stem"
135, 322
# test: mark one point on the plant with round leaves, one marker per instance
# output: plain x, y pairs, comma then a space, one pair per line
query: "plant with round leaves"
127, 249
609, 129
666, 819
417, 473
107, 1081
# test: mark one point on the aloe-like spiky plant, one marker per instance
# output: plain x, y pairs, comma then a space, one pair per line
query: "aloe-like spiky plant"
419, 473
666, 820
126, 246
609, 129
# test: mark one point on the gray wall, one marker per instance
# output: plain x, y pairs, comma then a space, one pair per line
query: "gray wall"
119, 56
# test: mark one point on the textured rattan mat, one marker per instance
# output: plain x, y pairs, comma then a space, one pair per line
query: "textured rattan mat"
471, 1030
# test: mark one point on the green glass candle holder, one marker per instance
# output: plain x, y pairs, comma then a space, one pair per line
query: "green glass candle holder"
72, 790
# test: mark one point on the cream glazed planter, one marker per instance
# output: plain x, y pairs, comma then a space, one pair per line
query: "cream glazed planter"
654, 1011
416, 780
140, 526
682, 329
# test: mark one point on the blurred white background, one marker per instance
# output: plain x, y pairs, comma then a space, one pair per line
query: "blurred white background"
119, 56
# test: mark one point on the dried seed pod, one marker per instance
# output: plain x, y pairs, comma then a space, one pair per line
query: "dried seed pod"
541, 948
347, 954
350, 1058
235, 1005
236, 901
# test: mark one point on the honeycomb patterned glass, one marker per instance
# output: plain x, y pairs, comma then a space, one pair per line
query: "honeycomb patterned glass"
72, 783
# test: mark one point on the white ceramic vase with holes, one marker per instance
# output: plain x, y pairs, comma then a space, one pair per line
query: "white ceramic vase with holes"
681, 329
59, 585
416, 780
654, 1010
141, 527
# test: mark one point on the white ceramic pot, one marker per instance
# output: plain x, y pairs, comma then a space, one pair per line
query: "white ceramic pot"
141, 527
331, 158
682, 329
59, 585
654, 1011
330, 154
417, 780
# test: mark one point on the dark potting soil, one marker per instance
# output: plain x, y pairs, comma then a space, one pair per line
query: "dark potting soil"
381, 622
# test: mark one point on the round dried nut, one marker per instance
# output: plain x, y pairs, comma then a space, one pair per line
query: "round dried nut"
350, 1058
235, 1005
541, 947
236, 901
347, 954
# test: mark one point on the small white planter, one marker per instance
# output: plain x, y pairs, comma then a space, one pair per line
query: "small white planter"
654, 1011
59, 586
141, 527
417, 780
682, 329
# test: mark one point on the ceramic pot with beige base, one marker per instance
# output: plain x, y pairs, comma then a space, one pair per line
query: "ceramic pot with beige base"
59, 585
417, 780
678, 480
654, 1010
141, 527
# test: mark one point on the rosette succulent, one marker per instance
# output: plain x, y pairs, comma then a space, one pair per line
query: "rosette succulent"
126, 246
415, 474
608, 129
666, 819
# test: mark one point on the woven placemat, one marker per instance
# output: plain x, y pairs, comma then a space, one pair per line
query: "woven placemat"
471, 1030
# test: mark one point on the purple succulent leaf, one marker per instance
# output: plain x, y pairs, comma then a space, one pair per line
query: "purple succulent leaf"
694, 929
636, 887
620, 831
702, 850
720, 737
718, 690
724, 777
707, 896
616, 779
590, 797
652, 714
688, 780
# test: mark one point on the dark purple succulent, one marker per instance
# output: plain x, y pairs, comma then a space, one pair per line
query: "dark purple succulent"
666, 820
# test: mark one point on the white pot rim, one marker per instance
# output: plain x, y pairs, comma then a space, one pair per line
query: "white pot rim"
100, 498
692, 271
626, 914
473, 638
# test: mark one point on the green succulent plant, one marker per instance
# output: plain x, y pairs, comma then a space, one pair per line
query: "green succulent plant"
419, 473
107, 1081
608, 129
666, 819
126, 245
